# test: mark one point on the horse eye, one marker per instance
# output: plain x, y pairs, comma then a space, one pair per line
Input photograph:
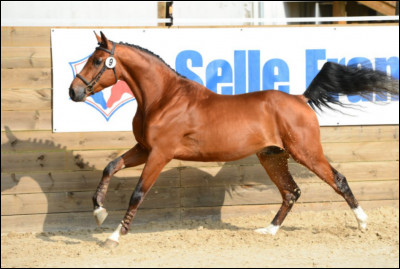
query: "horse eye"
97, 61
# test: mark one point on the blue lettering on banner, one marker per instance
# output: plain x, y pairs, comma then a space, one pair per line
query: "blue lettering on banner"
241, 77
240, 71
219, 71
270, 77
274, 74
254, 70
181, 64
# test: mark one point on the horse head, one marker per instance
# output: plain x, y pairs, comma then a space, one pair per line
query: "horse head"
98, 73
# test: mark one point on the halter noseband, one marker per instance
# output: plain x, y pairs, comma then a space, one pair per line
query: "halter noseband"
109, 63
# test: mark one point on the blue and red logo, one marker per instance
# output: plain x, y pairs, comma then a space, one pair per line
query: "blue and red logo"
109, 100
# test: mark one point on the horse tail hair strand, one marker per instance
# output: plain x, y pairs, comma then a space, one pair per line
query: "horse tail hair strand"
335, 79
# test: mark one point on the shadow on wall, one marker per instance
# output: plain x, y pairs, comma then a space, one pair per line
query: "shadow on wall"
60, 199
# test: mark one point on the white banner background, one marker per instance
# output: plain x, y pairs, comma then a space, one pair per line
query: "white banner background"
287, 53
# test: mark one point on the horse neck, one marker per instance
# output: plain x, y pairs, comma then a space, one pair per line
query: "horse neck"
147, 77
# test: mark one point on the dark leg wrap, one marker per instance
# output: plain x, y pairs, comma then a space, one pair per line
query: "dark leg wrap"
344, 189
136, 199
98, 197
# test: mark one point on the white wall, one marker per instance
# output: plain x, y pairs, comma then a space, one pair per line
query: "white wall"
133, 13
78, 13
228, 11
210, 10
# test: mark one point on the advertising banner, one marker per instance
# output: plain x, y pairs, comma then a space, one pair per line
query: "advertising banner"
228, 61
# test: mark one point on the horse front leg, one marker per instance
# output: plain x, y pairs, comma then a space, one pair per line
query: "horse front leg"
135, 156
155, 163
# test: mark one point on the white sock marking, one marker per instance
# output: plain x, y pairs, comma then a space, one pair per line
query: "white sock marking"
361, 217
271, 229
115, 235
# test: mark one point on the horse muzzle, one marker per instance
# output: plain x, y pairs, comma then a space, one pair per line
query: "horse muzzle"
77, 94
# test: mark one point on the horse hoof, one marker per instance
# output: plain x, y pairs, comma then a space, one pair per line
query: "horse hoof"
100, 214
110, 244
362, 226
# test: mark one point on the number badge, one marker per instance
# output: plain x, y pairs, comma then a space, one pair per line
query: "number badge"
110, 62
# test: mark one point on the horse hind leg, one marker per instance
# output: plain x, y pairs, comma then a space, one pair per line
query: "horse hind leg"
275, 162
345, 191
314, 159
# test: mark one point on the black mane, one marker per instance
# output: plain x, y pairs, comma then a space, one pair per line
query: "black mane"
152, 54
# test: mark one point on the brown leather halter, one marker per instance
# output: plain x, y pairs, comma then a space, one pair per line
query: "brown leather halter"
110, 61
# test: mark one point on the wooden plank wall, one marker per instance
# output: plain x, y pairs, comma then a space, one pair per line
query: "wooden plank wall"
47, 179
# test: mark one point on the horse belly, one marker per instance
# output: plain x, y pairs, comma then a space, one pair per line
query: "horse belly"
222, 144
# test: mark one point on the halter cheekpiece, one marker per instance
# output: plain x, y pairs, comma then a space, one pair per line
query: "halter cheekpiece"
109, 63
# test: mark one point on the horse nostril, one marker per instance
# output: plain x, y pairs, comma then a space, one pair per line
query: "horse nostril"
71, 93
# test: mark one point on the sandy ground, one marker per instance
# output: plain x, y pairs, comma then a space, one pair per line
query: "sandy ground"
307, 239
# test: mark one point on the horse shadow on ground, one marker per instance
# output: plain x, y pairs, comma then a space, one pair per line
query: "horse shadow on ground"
49, 191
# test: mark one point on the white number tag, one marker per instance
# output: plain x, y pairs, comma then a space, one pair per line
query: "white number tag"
110, 62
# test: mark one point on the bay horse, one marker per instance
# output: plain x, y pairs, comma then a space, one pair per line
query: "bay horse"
178, 118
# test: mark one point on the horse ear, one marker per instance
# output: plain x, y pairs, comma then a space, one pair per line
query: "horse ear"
97, 37
104, 39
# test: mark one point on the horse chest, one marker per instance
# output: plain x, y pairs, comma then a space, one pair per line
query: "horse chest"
151, 132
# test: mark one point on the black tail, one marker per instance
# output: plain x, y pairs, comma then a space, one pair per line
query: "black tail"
335, 79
